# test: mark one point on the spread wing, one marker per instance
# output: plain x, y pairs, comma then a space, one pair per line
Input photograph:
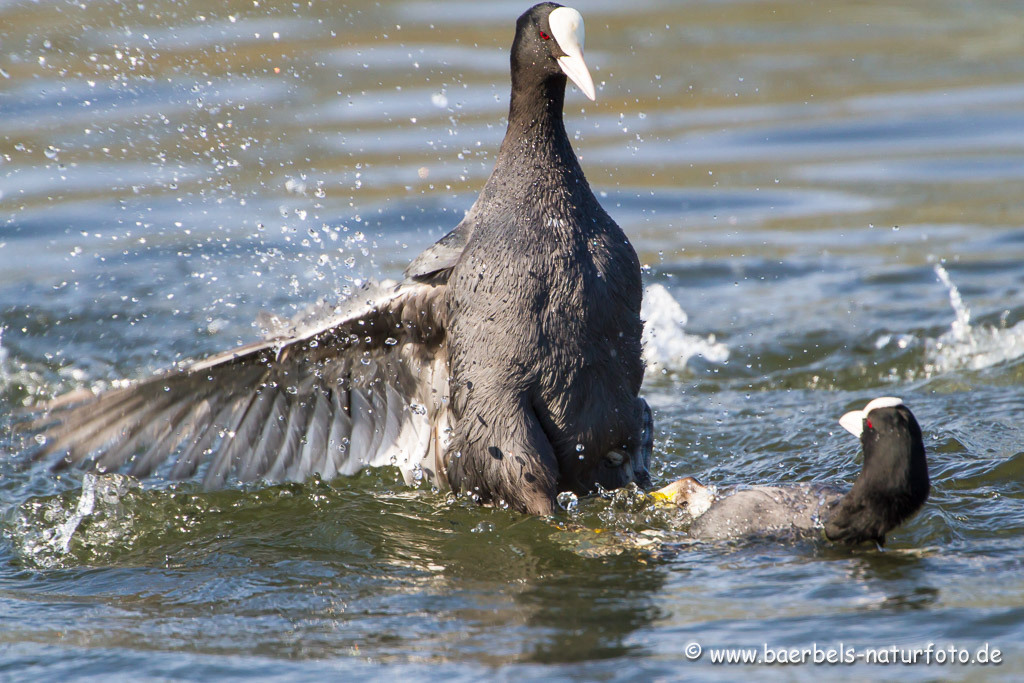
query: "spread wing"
436, 261
365, 386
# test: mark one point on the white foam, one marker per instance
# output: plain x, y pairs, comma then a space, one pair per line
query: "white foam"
967, 346
666, 344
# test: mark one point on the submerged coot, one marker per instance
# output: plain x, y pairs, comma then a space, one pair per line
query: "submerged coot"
892, 486
506, 364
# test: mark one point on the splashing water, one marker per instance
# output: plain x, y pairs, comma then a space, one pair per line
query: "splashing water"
961, 328
666, 344
568, 501
27, 380
86, 505
967, 346
4, 373
47, 532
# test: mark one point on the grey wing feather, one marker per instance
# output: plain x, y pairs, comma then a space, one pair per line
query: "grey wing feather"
339, 438
268, 442
323, 395
441, 257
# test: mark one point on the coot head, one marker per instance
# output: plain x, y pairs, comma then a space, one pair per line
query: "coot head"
893, 483
688, 494
548, 47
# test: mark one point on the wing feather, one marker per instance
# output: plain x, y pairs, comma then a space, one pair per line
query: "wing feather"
379, 410
269, 441
140, 433
86, 436
175, 434
339, 441
240, 439
188, 462
314, 445
361, 412
294, 430
327, 395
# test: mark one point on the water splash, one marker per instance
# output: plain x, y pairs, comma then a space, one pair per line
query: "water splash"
667, 346
961, 328
22, 382
48, 532
4, 373
568, 501
968, 346
86, 505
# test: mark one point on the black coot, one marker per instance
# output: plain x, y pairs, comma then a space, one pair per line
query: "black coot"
507, 363
892, 486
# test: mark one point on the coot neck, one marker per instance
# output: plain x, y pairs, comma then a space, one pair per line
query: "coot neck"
535, 142
536, 107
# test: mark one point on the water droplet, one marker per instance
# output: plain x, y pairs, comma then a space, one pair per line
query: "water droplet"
568, 501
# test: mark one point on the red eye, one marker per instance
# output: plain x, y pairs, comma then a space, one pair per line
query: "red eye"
868, 423
544, 36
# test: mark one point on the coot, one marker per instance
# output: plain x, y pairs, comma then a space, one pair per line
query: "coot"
506, 364
892, 486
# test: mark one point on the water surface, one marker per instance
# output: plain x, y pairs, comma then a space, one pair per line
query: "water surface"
830, 191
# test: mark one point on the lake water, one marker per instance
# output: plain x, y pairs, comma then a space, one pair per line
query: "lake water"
833, 192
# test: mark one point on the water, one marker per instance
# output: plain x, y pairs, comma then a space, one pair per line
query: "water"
829, 193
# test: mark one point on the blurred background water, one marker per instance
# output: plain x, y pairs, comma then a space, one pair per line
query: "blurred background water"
827, 198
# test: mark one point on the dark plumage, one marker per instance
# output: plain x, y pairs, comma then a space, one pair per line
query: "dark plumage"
507, 364
892, 486
893, 483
